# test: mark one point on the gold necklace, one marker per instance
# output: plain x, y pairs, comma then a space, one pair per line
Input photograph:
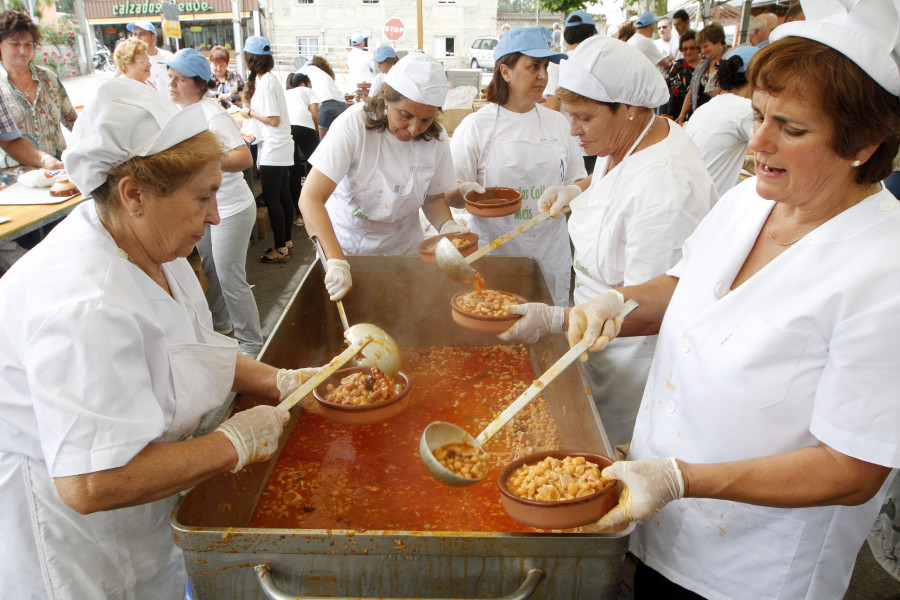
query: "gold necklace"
791, 243
127, 257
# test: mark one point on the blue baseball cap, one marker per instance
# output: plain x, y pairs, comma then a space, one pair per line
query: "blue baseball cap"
357, 39
746, 53
145, 25
191, 63
382, 53
645, 20
579, 17
528, 41
257, 44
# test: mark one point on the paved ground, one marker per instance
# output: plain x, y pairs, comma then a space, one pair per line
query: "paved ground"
274, 283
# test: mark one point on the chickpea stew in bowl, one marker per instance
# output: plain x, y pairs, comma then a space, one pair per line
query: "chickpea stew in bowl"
485, 310
362, 395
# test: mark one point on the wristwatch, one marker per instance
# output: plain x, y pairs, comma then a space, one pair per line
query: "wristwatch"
43, 158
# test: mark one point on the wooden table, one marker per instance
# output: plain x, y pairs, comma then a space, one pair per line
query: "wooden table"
29, 217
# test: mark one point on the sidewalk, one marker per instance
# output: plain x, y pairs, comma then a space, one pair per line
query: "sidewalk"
80, 88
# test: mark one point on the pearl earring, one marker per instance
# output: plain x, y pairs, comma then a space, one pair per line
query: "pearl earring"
855, 163
631, 118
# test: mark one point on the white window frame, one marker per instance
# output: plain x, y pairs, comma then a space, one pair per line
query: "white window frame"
303, 42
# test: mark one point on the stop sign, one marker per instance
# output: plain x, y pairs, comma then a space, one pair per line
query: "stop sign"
394, 29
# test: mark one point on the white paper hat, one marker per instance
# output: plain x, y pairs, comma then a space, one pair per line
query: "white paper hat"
609, 70
865, 31
125, 119
420, 78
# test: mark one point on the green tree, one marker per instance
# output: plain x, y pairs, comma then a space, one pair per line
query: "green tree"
65, 6
515, 6
562, 6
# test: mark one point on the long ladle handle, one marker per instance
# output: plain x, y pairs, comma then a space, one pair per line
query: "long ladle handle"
324, 260
538, 386
336, 363
507, 236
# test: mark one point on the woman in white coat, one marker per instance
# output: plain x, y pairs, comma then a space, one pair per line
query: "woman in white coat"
649, 190
109, 361
223, 249
776, 373
722, 127
265, 103
383, 161
515, 142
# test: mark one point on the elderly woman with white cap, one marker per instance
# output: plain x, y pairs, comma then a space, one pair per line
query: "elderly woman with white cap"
223, 249
266, 105
383, 160
650, 189
515, 142
109, 360
775, 377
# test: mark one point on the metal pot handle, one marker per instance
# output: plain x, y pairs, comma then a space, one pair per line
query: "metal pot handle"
534, 577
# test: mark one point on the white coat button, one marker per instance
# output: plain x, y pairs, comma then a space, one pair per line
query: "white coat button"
887, 205
720, 290
670, 407
685, 346
662, 162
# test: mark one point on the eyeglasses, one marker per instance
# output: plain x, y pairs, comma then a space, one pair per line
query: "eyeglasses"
663, 26
686, 48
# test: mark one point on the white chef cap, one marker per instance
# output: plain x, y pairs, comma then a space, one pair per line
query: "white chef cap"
420, 78
609, 70
124, 120
865, 31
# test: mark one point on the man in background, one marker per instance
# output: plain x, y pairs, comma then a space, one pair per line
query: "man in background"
681, 22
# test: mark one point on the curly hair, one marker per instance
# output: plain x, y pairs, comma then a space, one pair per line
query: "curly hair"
124, 53
376, 118
14, 23
322, 63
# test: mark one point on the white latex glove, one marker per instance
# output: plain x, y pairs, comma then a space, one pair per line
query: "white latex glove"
596, 321
470, 186
650, 484
337, 279
539, 319
453, 226
254, 433
288, 380
556, 198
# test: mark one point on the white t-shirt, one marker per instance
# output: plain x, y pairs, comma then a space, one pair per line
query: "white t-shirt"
276, 146
324, 87
359, 63
803, 352
648, 48
234, 195
159, 71
722, 129
675, 47
663, 45
298, 100
377, 82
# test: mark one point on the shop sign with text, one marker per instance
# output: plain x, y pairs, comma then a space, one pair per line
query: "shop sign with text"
152, 8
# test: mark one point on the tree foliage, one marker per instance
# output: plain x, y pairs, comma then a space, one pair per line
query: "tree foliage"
562, 6
524, 6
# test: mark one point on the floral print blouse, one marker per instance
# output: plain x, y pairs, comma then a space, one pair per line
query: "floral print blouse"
39, 123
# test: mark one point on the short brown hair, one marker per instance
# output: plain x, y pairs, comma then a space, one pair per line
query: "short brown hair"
14, 23
862, 112
498, 89
219, 54
124, 53
162, 173
376, 119
713, 33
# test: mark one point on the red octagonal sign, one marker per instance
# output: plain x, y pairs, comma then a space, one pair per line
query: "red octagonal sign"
394, 29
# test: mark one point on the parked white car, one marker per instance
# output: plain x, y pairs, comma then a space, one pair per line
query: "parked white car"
481, 54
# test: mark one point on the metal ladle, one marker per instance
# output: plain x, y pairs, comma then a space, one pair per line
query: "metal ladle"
376, 346
441, 433
324, 260
456, 266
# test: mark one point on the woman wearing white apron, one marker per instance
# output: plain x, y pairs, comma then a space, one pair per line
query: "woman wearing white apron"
109, 360
649, 190
515, 142
382, 161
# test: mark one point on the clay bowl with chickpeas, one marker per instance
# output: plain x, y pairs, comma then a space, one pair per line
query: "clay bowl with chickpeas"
485, 311
362, 396
493, 202
466, 243
557, 489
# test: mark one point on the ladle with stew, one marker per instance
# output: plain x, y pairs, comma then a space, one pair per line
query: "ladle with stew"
376, 346
441, 433
457, 267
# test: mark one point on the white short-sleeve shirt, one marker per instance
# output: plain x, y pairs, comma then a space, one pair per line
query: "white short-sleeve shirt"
298, 101
276, 146
722, 129
234, 195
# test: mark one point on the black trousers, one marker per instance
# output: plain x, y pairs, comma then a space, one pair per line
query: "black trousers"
305, 142
276, 192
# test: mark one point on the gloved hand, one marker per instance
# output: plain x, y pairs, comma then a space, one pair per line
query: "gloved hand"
470, 186
556, 198
539, 319
595, 321
453, 226
254, 433
650, 484
288, 380
337, 279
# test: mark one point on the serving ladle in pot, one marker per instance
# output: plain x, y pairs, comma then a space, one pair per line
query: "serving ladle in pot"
441, 433
377, 349
457, 267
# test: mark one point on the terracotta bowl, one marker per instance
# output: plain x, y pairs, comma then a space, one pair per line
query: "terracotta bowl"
494, 202
563, 514
361, 414
426, 247
480, 323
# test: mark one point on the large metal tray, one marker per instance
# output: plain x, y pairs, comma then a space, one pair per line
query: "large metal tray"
410, 300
